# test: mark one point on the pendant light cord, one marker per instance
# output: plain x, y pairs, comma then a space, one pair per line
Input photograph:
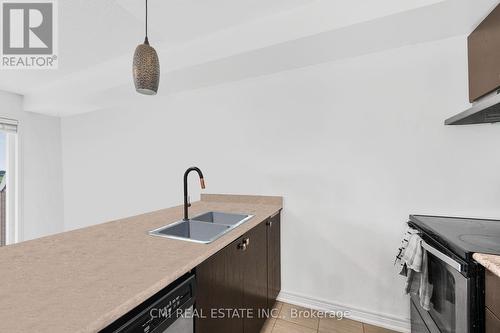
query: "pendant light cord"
146, 40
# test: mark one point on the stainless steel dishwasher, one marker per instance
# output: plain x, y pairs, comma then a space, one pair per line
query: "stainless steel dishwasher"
169, 311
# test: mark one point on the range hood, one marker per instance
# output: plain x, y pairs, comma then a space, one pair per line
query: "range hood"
484, 110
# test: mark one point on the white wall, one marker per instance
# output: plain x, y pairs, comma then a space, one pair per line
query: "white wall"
40, 169
354, 147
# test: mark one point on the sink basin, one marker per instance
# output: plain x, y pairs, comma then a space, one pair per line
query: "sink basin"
204, 228
222, 218
200, 232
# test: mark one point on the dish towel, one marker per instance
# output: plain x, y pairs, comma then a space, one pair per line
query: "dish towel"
414, 261
425, 289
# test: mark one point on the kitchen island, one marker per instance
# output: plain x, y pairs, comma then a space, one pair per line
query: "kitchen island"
83, 280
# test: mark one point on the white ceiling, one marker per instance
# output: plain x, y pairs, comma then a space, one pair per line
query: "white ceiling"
98, 37
94, 31
179, 21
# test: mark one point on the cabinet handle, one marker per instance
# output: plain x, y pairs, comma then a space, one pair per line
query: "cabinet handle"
270, 222
244, 244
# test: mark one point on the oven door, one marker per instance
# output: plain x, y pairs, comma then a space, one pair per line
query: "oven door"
451, 295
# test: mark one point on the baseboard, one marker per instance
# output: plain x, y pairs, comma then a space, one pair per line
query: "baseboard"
377, 319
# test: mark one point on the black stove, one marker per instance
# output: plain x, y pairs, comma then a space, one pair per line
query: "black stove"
463, 236
457, 302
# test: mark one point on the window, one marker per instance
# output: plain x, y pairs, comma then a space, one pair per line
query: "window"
8, 182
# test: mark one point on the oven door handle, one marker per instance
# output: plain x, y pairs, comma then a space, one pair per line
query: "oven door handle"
443, 257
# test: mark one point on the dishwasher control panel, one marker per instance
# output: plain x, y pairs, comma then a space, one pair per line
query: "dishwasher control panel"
160, 311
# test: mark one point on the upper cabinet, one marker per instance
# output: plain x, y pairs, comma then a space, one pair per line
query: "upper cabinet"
484, 56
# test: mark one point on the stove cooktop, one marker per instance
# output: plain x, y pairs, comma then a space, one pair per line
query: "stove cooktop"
464, 236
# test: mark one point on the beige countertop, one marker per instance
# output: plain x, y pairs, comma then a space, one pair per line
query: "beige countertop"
83, 280
490, 261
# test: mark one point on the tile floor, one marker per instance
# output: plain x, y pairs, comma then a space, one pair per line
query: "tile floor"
288, 323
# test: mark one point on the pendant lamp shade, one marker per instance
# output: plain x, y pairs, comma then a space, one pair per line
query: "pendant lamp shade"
146, 66
146, 69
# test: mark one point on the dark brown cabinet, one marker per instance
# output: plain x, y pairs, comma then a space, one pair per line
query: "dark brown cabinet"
255, 278
492, 302
484, 56
273, 258
219, 282
492, 322
238, 278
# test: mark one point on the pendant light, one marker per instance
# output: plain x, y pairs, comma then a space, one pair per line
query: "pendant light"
146, 66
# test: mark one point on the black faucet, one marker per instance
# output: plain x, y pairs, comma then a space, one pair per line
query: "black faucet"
186, 197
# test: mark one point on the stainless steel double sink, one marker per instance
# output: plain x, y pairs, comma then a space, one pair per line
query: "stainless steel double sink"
204, 228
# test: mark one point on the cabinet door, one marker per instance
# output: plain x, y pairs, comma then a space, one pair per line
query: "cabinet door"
220, 281
492, 302
492, 322
492, 295
255, 278
274, 258
484, 56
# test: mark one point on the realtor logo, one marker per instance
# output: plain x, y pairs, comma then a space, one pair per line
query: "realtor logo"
28, 34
